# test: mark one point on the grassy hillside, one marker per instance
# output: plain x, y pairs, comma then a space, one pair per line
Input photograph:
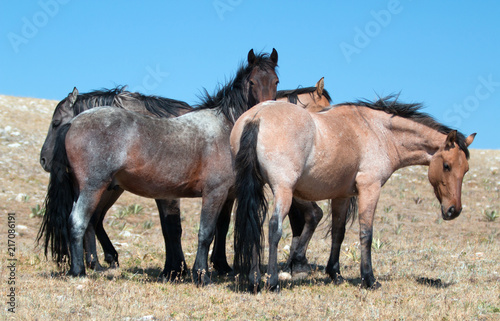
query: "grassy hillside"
429, 268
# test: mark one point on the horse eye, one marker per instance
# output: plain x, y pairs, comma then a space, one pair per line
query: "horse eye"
277, 82
446, 167
56, 123
252, 83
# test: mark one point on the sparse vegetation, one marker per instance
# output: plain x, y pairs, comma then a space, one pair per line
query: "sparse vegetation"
37, 211
490, 215
428, 271
128, 210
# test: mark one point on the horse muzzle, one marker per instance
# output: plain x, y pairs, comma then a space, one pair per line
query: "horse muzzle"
45, 164
450, 213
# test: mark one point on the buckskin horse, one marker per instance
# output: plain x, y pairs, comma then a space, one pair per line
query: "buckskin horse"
349, 150
161, 158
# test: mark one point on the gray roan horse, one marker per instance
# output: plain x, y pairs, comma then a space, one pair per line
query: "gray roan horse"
154, 106
349, 150
187, 156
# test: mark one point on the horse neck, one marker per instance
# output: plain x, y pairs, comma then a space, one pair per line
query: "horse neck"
414, 143
86, 103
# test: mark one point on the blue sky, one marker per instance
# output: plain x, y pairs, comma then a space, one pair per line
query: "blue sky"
444, 54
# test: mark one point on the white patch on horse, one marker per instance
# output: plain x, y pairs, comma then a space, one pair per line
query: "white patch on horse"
269, 102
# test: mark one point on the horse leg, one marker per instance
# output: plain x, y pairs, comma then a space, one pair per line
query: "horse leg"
96, 228
218, 257
211, 206
312, 216
297, 223
170, 218
90, 246
78, 222
339, 208
107, 200
283, 201
368, 198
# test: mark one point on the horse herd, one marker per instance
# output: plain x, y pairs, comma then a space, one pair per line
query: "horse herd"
228, 148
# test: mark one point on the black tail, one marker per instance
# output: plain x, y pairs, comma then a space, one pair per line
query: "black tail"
251, 202
58, 202
352, 210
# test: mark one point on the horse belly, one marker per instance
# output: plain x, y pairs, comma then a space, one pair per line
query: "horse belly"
157, 186
326, 184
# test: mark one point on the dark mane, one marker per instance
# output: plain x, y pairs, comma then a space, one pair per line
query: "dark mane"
103, 97
156, 105
161, 106
232, 98
390, 105
293, 93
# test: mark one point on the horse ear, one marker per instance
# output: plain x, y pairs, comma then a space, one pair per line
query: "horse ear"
274, 56
320, 85
251, 57
73, 96
450, 139
470, 139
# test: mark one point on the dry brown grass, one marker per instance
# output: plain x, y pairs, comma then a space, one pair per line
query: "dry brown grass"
429, 269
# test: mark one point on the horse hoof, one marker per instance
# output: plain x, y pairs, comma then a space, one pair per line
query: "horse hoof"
300, 270
338, 280
223, 269
111, 260
77, 274
375, 286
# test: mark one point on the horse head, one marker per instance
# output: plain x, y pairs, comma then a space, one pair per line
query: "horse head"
62, 114
446, 172
262, 81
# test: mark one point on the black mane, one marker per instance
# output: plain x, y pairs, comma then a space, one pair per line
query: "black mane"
156, 105
293, 93
103, 97
161, 106
390, 105
232, 98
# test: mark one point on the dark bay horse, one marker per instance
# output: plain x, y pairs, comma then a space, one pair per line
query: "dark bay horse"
154, 106
349, 150
187, 156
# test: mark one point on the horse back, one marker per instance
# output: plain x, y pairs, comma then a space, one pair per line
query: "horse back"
151, 157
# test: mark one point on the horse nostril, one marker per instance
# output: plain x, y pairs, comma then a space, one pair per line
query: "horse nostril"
42, 161
451, 211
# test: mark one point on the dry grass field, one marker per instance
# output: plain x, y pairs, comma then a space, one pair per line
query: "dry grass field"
429, 269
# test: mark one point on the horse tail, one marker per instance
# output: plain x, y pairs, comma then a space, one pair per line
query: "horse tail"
58, 202
352, 210
251, 202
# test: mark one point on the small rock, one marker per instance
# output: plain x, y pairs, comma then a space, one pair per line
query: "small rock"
284, 276
20, 197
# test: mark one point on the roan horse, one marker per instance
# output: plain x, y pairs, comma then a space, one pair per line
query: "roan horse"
349, 150
154, 106
311, 98
187, 156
